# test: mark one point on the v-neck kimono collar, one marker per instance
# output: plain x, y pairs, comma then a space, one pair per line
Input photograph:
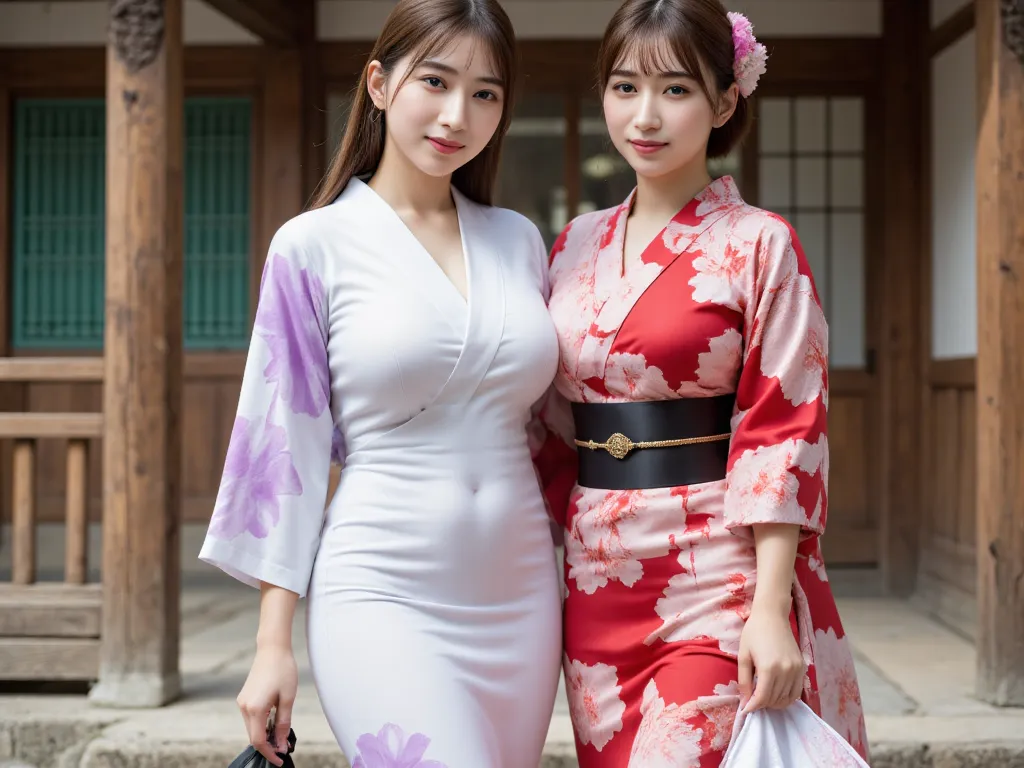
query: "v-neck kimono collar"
721, 194
479, 319
616, 292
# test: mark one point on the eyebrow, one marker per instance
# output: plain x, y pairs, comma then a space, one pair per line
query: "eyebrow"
631, 73
497, 81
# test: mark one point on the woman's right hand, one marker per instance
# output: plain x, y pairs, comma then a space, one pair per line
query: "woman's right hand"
272, 683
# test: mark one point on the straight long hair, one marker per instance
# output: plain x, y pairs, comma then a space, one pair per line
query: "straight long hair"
421, 29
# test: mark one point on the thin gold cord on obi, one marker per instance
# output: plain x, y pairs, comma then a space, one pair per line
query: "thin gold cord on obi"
620, 446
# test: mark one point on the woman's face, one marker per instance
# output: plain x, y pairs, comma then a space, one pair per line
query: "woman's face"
447, 109
661, 122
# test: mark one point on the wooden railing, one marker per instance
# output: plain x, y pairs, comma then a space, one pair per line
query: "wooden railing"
49, 630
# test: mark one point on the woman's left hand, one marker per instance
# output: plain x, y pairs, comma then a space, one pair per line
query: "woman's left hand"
769, 650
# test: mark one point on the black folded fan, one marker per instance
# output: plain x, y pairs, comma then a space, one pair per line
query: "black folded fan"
250, 758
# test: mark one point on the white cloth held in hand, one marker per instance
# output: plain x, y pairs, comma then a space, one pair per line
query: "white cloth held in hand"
793, 737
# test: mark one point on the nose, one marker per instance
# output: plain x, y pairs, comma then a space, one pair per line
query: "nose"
647, 118
453, 115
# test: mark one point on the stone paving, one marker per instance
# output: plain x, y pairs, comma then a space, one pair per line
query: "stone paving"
917, 678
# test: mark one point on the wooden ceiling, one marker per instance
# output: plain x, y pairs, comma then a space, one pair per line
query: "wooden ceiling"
279, 22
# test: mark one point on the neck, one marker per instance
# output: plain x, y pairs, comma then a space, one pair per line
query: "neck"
664, 196
405, 187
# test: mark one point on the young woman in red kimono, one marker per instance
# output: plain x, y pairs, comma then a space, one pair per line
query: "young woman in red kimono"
689, 322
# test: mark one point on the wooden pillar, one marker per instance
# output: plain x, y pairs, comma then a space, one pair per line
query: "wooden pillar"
1000, 500
904, 27
143, 356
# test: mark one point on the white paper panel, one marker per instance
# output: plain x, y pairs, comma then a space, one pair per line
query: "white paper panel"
774, 182
847, 182
847, 124
810, 125
847, 314
810, 182
773, 119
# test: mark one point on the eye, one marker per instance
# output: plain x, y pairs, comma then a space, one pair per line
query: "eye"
624, 88
487, 95
433, 82
676, 90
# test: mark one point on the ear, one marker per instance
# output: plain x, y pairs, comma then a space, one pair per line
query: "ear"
376, 84
727, 105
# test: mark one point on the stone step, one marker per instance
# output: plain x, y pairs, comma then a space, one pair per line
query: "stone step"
101, 740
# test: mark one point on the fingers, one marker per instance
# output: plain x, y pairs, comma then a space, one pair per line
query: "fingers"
746, 677
255, 717
778, 686
798, 687
284, 724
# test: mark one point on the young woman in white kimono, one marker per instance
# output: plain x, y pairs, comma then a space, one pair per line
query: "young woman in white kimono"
402, 327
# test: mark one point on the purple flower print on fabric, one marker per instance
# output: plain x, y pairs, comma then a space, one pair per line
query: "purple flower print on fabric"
337, 446
390, 749
258, 471
290, 319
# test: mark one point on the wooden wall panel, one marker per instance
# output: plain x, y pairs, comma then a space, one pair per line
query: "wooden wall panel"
853, 528
946, 578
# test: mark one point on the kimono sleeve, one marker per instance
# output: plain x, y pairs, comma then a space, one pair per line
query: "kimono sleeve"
554, 459
269, 511
550, 429
778, 457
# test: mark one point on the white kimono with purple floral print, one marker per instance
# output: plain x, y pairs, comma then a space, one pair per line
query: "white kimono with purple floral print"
434, 615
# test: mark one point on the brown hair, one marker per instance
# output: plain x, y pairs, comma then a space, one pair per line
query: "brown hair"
698, 33
424, 28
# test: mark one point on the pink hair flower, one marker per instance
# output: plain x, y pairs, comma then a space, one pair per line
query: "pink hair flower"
750, 57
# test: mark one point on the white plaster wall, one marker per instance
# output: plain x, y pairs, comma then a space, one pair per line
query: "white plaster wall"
943, 9
954, 126
84, 23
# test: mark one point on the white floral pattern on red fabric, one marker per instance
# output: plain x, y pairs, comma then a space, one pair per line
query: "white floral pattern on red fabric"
719, 366
763, 488
607, 541
840, 701
732, 282
665, 738
594, 704
817, 567
630, 376
801, 372
720, 709
719, 277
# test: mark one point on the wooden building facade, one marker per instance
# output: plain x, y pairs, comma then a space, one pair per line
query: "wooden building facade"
142, 177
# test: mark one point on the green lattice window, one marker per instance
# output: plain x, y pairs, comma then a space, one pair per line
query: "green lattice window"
58, 226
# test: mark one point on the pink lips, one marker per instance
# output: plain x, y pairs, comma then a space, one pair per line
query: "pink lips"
647, 147
444, 146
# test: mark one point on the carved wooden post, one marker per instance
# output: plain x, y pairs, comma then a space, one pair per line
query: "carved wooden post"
1000, 500
143, 356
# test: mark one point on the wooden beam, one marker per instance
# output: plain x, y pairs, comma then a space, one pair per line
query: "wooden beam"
38, 369
143, 357
1000, 405
900, 371
951, 30
273, 21
26, 426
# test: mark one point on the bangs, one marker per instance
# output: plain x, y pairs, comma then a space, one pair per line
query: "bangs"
652, 44
442, 39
